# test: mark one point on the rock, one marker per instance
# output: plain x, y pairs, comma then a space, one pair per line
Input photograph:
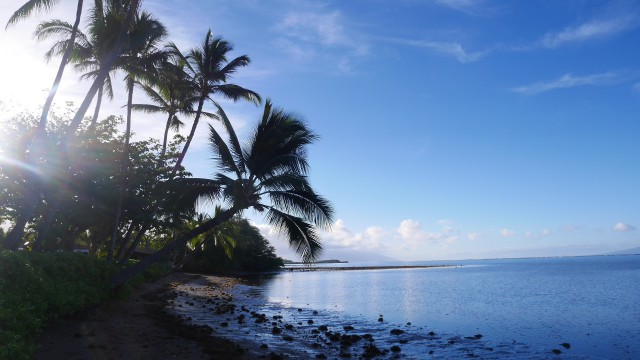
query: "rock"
309, 321
380, 319
396, 332
566, 345
323, 328
409, 324
315, 312
321, 356
556, 351
287, 338
347, 328
264, 346
371, 351
431, 333
276, 330
396, 348
403, 341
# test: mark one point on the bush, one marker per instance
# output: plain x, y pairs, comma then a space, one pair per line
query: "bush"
38, 288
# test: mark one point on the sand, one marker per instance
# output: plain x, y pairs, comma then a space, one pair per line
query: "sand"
138, 328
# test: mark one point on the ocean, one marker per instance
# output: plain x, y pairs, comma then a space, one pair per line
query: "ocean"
572, 307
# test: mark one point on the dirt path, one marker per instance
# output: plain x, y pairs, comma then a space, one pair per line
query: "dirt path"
135, 329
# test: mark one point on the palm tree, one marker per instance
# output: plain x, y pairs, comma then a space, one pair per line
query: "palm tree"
140, 59
30, 201
210, 71
267, 175
25, 11
171, 93
88, 54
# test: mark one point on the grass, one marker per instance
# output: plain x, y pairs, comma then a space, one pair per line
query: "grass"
36, 289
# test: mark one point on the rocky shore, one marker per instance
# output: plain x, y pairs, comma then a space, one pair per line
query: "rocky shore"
185, 316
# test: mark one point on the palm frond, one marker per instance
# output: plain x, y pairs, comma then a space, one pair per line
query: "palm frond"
286, 181
233, 138
221, 153
46, 29
310, 205
236, 92
28, 8
147, 108
185, 193
301, 235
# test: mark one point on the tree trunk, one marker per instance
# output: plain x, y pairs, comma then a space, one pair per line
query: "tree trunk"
191, 134
63, 64
125, 240
124, 259
161, 161
125, 171
130, 272
96, 112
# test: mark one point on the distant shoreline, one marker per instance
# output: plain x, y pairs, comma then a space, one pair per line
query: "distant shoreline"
346, 268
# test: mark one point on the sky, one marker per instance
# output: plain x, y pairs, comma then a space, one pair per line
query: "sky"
449, 129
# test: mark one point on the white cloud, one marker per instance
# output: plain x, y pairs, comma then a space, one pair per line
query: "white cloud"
453, 49
411, 233
307, 36
569, 81
594, 29
622, 227
507, 233
470, 7
326, 29
541, 234
341, 236
473, 236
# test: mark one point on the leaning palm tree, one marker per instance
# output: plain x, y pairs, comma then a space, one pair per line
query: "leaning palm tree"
39, 5
30, 201
210, 72
89, 52
268, 175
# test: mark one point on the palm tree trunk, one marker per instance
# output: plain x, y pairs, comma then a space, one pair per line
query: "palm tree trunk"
124, 259
191, 134
96, 112
130, 272
125, 240
63, 64
104, 71
125, 171
165, 140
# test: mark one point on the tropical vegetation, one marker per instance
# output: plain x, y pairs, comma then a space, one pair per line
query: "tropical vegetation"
69, 181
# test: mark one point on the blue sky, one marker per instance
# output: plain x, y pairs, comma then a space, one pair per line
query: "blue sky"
449, 129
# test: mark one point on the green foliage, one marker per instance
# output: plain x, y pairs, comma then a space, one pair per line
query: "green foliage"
252, 251
38, 288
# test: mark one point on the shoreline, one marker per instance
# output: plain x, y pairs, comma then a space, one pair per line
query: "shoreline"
364, 268
192, 316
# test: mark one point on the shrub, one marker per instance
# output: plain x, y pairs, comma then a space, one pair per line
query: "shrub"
38, 288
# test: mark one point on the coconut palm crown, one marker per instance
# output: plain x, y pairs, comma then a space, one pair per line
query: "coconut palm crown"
269, 175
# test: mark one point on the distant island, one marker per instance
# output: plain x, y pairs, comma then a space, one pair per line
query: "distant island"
331, 261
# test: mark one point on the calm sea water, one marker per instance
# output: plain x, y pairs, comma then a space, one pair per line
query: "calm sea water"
592, 303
